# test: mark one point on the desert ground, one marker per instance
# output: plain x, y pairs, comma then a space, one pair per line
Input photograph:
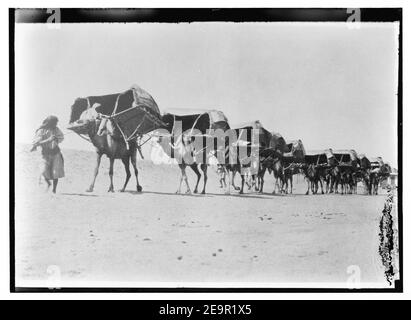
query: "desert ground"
101, 238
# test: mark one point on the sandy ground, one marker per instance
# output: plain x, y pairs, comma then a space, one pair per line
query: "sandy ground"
158, 236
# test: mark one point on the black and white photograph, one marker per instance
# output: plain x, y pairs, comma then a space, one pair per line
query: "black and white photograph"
208, 149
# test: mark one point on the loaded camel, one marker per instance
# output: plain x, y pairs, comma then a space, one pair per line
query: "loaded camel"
104, 135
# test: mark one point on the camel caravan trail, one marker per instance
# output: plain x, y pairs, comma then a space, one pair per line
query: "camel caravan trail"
118, 125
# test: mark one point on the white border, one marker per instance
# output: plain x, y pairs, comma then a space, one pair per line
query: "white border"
4, 192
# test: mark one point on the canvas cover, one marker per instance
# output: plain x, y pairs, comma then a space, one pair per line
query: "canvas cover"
295, 151
201, 120
134, 111
376, 162
277, 142
365, 163
244, 133
346, 157
317, 157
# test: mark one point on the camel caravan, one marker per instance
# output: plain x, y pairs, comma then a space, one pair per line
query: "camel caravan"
118, 125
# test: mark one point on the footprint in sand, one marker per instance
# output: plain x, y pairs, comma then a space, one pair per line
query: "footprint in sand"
180, 258
146, 239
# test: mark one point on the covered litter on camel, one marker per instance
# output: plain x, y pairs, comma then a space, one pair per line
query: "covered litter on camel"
194, 119
295, 151
364, 162
277, 142
244, 134
319, 157
133, 111
346, 158
376, 162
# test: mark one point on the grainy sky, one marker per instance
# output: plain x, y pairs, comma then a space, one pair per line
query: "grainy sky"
323, 83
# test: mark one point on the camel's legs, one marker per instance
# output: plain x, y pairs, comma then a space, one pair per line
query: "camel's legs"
242, 183
321, 185
228, 185
126, 162
183, 177
194, 166
233, 178
186, 181
254, 182
98, 160
133, 159
275, 183
110, 173
204, 168
261, 177
281, 184
223, 175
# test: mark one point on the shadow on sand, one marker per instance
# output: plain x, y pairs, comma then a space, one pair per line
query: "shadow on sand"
199, 195
79, 194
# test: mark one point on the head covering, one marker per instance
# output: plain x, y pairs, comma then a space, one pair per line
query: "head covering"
49, 123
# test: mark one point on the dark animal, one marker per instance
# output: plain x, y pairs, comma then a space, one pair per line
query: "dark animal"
271, 160
108, 141
377, 175
332, 179
289, 171
272, 148
104, 134
312, 175
181, 143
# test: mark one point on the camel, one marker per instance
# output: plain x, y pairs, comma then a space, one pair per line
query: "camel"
272, 162
332, 179
182, 149
377, 175
289, 172
107, 141
312, 175
179, 144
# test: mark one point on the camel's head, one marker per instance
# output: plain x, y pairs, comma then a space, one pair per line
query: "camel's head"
87, 122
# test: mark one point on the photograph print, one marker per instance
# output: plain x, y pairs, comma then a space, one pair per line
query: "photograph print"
206, 149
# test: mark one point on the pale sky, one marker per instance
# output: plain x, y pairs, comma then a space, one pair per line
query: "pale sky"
324, 83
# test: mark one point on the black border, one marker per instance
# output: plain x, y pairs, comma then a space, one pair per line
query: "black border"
11, 150
168, 15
